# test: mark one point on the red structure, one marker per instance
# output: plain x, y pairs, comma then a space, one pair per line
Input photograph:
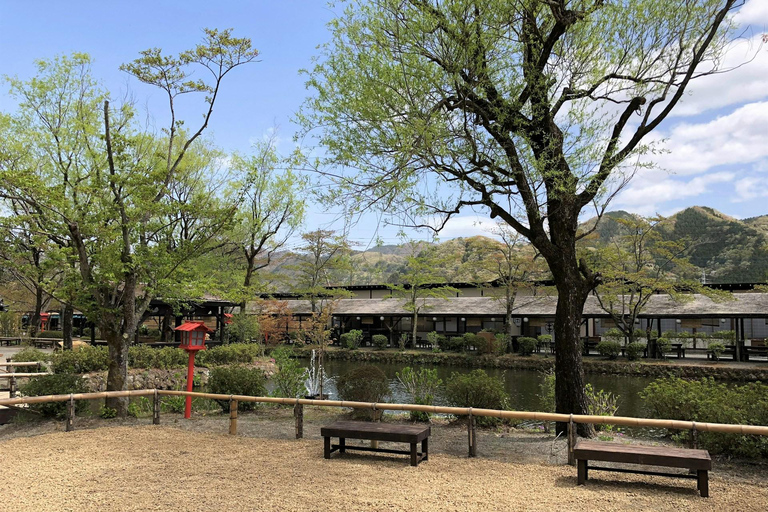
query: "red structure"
192, 339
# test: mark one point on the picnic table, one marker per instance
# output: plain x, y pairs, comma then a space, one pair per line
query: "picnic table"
411, 434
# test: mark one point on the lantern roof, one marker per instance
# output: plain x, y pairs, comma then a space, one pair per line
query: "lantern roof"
193, 326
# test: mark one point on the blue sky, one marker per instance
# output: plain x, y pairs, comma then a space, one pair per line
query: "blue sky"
717, 140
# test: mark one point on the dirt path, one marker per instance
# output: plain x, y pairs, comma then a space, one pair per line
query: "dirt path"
194, 465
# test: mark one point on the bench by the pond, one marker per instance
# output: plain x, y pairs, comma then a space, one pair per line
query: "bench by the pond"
695, 460
411, 434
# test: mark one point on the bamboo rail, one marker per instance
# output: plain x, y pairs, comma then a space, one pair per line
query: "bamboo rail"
470, 412
15, 375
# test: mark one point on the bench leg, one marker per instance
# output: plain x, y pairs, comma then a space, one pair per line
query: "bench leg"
414, 454
342, 445
425, 449
582, 472
327, 447
703, 483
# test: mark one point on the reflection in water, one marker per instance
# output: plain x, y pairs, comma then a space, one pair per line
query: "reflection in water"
522, 385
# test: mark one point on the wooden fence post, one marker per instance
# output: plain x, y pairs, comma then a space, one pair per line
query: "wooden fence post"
472, 434
156, 409
298, 414
70, 424
232, 417
571, 434
12, 387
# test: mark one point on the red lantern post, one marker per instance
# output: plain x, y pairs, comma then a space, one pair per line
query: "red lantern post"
192, 340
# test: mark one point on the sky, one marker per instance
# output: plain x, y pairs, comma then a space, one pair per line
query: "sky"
716, 141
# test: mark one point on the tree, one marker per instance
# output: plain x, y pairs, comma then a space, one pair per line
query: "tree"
530, 110
108, 188
322, 257
420, 279
637, 263
271, 211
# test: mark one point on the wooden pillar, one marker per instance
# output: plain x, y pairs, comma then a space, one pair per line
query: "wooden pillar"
156, 409
571, 443
298, 414
11, 385
232, 417
70, 423
737, 351
740, 344
472, 434
93, 333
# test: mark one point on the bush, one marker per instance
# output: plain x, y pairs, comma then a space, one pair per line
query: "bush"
438, 341
634, 350
237, 380
715, 347
525, 345
422, 386
663, 345
230, 354
244, 328
30, 354
547, 395
403, 340
601, 403
380, 341
50, 334
166, 358
61, 384
352, 339
365, 383
708, 401
613, 334
477, 389
290, 376
495, 345
87, 359
609, 349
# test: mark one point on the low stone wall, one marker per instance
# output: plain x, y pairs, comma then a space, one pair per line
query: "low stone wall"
148, 379
719, 371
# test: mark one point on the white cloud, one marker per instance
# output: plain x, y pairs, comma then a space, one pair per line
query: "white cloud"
754, 12
749, 188
736, 138
644, 195
465, 226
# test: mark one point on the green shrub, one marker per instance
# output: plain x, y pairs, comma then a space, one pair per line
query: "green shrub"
706, 400
365, 383
403, 340
609, 349
237, 380
243, 328
663, 345
525, 345
634, 350
613, 334
57, 384
290, 376
30, 354
356, 336
495, 345
422, 386
715, 347
166, 358
51, 334
346, 341
107, 413
379, 341
601, 403
87, 359
477, 389
233, 353
437, 341
139, 407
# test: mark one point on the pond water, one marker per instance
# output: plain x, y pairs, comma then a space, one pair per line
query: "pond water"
522, 385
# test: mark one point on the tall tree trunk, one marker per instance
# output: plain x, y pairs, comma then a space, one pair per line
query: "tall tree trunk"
415, 327
66, 325
118, 357
34, 322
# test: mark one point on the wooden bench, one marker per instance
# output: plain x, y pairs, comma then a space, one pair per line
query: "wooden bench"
695, 460
411, 434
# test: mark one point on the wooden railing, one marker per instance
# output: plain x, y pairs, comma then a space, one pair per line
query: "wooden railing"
469, 412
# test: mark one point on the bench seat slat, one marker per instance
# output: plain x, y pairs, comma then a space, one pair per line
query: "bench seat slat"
646, 455
376, 431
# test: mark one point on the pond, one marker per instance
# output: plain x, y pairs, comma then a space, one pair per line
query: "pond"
522, 385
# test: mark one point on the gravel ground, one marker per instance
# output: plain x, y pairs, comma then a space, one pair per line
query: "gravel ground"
195, 465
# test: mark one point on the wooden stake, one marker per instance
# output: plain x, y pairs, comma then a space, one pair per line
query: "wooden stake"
70, 424
156, 409
12, 387
571, 438
472, 434
232, 417
298, 414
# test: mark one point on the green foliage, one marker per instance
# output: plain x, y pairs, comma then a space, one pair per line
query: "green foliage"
477, 389
706, 400
438, 341
422, 385
144, 357
526, 345
717, 349
290, 376
10, 323
663, 345
547, 392
379, 341
244, 328
237, 380
352, 339
57, 335
728, 336
403, 341
613, 334
229, 354
107, 413
601, 403
139, 407
609, 349
365, 383
495, 345
30, 354
634, 350
87, 359
57, 384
